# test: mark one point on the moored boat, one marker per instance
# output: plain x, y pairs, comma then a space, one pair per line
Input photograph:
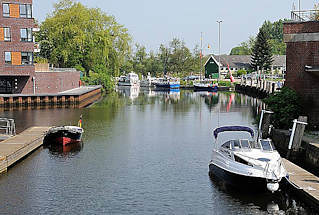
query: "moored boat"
201, 86
130, 80
148, 81
168, 83
63, 135
246, 163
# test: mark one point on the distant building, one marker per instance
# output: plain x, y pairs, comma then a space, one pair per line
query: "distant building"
302, 39
17, 48
237, 62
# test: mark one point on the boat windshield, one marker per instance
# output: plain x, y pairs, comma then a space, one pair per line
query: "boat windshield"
266, 145
245, 144
254, 145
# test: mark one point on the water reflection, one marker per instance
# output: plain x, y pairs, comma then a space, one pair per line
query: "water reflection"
67, 151
146, 152
281, 202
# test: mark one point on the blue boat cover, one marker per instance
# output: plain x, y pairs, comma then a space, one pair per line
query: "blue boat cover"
233, 128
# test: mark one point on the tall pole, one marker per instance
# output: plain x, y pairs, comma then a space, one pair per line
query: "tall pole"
201, 55
219, 21
299, 10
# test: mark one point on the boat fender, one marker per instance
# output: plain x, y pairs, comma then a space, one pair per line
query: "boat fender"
272, 187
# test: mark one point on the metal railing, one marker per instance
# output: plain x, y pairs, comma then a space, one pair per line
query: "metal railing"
7, 128
305, 15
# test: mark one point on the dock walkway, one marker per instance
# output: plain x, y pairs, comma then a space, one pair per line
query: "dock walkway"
17, 147
304, 182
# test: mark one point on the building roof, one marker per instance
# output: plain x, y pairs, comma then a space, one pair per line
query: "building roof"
243, 61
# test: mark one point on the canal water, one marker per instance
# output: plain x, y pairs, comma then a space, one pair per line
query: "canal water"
143, 152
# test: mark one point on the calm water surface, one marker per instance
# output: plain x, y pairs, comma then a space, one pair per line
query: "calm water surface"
143, 152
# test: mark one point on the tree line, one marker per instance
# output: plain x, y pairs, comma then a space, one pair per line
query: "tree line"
92, 41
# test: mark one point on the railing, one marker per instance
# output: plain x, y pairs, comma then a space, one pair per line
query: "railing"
7, 128
305, 15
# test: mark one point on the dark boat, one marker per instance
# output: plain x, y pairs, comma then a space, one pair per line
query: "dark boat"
205, 87
63, 135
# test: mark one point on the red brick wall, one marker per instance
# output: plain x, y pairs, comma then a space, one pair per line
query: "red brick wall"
301, 27
54, 82
300, 54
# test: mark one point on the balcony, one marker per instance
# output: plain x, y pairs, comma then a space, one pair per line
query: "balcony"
305, 15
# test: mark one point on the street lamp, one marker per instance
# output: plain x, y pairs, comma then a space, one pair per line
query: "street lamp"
219, 21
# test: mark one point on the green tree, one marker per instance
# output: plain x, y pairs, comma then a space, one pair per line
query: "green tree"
261, 56
245, 48
139, 59
77, 36
180, 57
164, 56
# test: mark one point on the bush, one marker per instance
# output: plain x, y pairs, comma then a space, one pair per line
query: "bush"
241, 72
100, 76
224, 84
286, 107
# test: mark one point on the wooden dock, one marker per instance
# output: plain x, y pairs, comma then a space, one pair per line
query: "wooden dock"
15, 148
305, 184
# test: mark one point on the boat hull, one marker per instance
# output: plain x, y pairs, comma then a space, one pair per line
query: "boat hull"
240, 182
62, 137
168, 86
209, 89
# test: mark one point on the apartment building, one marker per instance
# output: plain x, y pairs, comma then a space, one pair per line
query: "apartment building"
16, 46
18, 74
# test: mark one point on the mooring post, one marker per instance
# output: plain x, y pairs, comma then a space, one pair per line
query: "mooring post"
297, 133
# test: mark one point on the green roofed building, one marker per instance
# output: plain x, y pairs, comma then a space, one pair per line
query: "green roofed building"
237, 62
211, 68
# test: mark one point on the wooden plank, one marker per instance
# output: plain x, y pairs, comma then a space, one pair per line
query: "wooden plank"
306, 181
15, 148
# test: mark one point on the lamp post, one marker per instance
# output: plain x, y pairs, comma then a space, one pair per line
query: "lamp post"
219, 22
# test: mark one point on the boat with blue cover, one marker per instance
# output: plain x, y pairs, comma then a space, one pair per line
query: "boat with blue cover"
168, 83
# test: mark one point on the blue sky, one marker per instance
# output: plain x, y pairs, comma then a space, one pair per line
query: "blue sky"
153, 22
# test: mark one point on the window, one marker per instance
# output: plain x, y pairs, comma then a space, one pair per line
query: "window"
25, 10
226, 145
7, 34
26, 58
6, 10
266, 145
7, 57
245, 144
26, 34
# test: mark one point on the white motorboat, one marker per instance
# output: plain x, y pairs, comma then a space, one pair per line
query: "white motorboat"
246, 163
130, 80
148, 81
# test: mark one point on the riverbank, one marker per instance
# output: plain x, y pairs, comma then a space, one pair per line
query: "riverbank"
78, 97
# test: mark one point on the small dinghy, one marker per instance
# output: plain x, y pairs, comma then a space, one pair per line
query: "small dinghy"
64, 135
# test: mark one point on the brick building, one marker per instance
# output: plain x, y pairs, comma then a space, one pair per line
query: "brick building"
17, 70
302, 39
